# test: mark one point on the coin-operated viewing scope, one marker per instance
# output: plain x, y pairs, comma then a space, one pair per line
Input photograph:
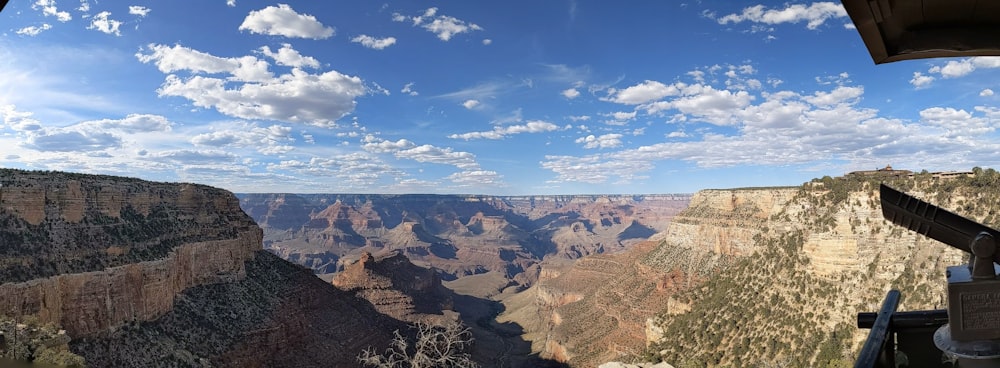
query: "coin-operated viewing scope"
972, 334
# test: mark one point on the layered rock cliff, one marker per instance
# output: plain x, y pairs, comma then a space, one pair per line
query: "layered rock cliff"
786, 272
398, 288
750, 277
91, 253
458, 235
142, 274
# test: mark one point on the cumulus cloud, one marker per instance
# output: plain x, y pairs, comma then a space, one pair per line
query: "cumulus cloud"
814, 14
571, 93
470, 170
986, 92
274, 139
231, 3
49, 9
816, 126
487, 41
103, 23
70, 140
34, 30
282, 20
141, 11
376, 145
299, 97
131, 124
642, 93
534, 126
445, 27
437, 155
288, 56
603, 141
88, 136
471, 104
18, 120
963, 67
374, 43
920, 80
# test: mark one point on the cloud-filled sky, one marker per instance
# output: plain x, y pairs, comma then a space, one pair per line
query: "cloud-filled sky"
513, 97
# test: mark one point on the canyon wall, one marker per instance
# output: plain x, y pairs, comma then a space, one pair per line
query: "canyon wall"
749, 277
139, 274
457, 235
784, 272
93, 252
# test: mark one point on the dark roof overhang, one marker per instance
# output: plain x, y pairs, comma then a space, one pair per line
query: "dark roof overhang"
895, 30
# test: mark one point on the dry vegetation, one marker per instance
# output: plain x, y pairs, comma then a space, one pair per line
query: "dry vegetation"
772, 309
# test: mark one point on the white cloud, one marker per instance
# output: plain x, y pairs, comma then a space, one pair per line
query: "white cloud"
101, 22
603, 141
71, 140
643, 92
437, 155
375, 145
476, 178
812, 127
34, 30
471, 104
18, 120
275, 139
131, 124
963, 67
49, 9
141, 11
408, 89
920, 80
445, 27
839, 95
986, 92
288, 56
958, 122
814, 14
84, 6
534, 126
374, 43
89, 136
231, 3
487, 41
192, 157
282, 20
301, 97
571, 93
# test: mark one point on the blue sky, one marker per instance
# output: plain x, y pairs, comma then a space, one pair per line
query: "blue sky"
512, 97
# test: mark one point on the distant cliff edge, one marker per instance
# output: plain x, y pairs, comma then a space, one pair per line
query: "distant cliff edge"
459, 235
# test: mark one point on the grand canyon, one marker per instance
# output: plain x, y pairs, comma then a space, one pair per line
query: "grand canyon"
109, 271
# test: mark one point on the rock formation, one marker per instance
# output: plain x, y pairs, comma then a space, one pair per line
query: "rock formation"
458, 235
143, 274
785, 271
398, 288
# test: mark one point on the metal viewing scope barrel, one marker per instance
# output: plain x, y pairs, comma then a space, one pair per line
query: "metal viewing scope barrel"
972, 334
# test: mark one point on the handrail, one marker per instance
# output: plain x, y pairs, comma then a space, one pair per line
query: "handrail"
908, 319
875, 346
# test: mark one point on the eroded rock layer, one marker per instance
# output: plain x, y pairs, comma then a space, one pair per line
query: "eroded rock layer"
93, 252
458, 235
397, 288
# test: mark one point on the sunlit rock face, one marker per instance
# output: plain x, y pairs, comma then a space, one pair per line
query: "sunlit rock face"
93, 252
458, 235
146, 274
